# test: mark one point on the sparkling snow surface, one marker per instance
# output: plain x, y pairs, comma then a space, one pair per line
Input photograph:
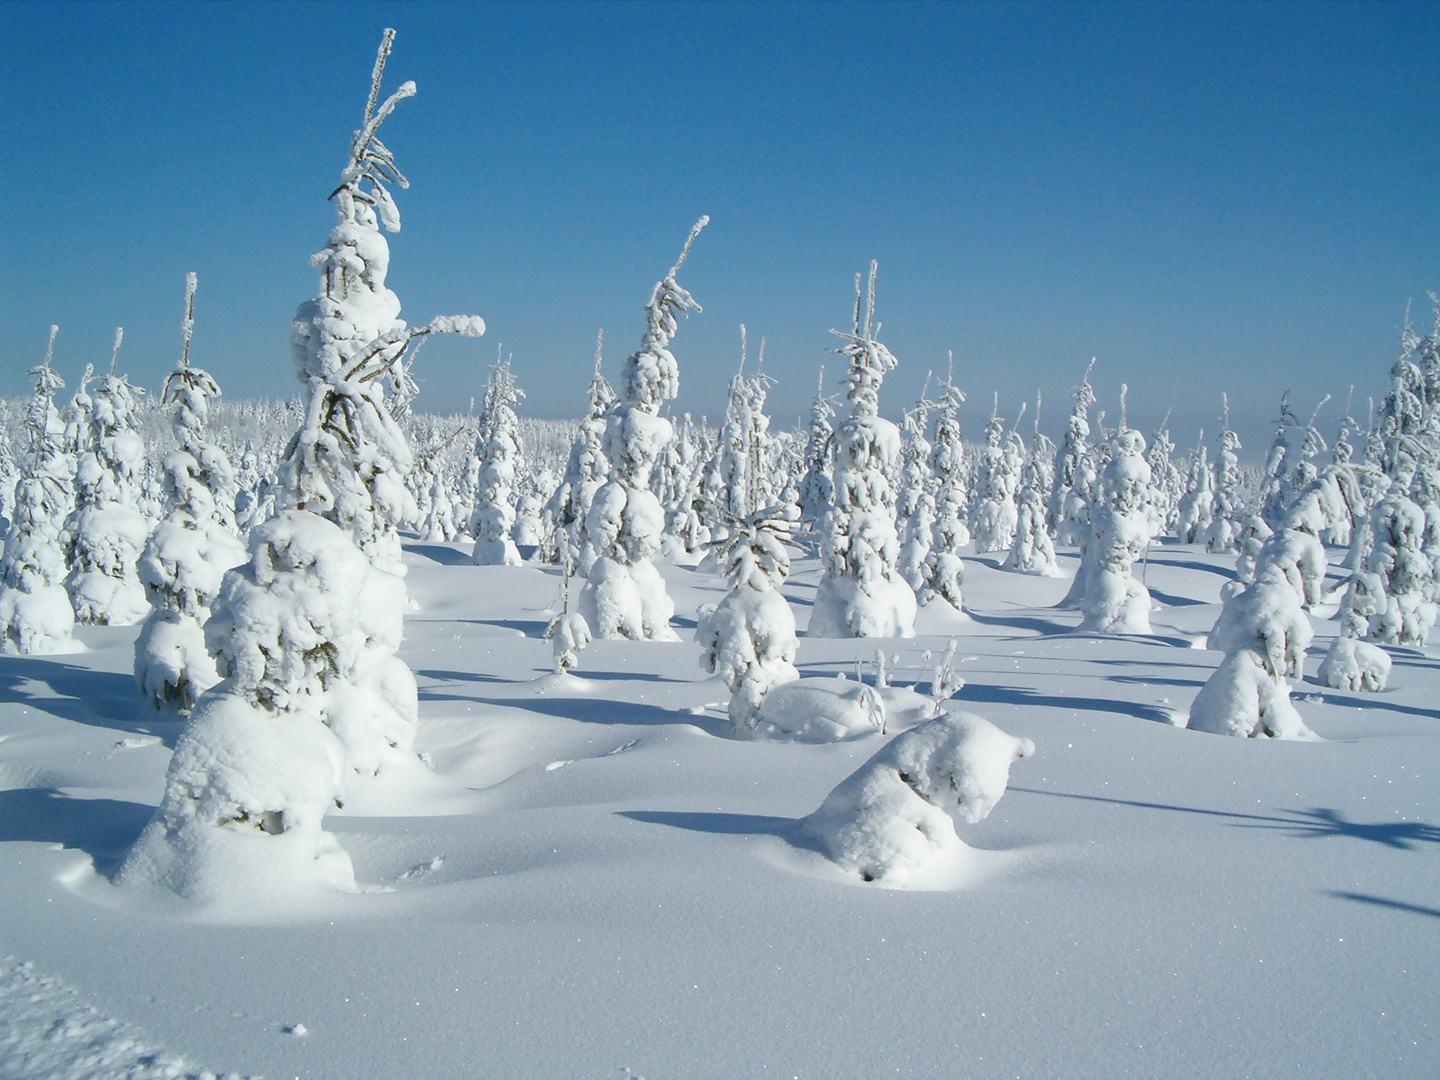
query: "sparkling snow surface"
595, 883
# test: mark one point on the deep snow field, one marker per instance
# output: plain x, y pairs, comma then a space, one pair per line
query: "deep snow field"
597, 882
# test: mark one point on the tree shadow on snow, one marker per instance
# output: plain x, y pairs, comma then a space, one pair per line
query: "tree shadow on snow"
1371, 701
1171, 600
1381, 901
1227, 572
1043, 627
598, 710
106, 699
1315, 823
445, 556
440, 675
725, 824
1020, 695
102, 828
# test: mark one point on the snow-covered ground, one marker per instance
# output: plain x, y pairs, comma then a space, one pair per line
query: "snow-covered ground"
597, 882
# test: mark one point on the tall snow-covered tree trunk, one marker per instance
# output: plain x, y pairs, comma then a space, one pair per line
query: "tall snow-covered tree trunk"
306, 631
625, 596
862, 594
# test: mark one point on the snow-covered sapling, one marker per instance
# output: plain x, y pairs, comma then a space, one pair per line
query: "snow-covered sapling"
945, 569
896, 814
498, 448
567, 631
1115, 602
748, 639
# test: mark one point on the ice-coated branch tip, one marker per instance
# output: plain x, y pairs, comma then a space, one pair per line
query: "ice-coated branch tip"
870, 327
187, 324
378, 71
599, 349
115, 353
689, 240
50, 348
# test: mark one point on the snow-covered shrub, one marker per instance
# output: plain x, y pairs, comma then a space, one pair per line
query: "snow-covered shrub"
1263, 633
897, 812
748, 639
625, 596
944, 569
821, 711
861, 594
1115, 602
192, 547
567, 631
498, 448
1354, 665
35, 610
106, 530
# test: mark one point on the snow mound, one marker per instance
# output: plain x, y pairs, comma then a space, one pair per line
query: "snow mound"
820, 711
48, 1033
894, 815
1355, 665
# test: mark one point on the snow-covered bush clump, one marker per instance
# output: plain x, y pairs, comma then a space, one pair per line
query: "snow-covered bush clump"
106, 530
498, 448
305, 633
35, 609
748, 639
625, 596
1263, 632
944, 568
1115, 602
1354, 665
821, 711
861, 593
192, 547
896, 814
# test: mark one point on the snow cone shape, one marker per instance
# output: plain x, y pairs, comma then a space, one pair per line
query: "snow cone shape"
897, 812
748, 639
862, 594
625, 596
1114, 602
1263, 633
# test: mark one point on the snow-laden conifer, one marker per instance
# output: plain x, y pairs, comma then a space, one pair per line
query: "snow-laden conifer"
817, 487
498, 448
107, 532
748, 639
1228, 513
1115, 602
1273, 476
1197, 505
624, 596
1074, 471
915, 504
997, 478
305, 632
192, 547
35, 610
861, 593
945, 570
1032, 551
586, 471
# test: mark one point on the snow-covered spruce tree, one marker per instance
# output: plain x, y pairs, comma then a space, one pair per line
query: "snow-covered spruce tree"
1397, 559
992, 523
35, 610
567, 631
1342, 476
192, 547
107, 532
915, 505
1197, 504
945, 570
1162, 499
1115, 602
1263, 633
498, 448
735, 452
1074, 473
1032, 551
305, 633
861, 594
586, 472
748, 639
1272, 482
625, 596
817, 488
1226, 517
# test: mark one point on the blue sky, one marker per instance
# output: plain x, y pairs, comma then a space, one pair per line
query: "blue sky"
1206, 197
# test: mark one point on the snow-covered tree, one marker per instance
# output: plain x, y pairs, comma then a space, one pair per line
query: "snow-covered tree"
1226, 517
1074, 472
587, 470
861, 593
192, 547
997, 477
1273, 478
1197, 504
1115, 602
1032, 551
1162, 499
305, 632
35, 610
915, 504
817, 488
748, 639
625, 596
498, 448
567, 631
945, 570
106, 530
1397, 559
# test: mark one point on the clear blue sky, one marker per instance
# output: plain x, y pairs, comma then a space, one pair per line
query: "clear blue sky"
1205, 196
